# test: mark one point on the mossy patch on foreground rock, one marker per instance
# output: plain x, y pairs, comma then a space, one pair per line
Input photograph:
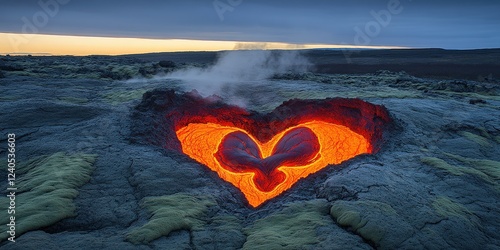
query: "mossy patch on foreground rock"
442, 164
488, 167
46, 187
475, 138
372, 220
487, 170
294, 227
448, 208
169, 213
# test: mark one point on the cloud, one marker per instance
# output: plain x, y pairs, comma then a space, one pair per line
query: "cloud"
319, 21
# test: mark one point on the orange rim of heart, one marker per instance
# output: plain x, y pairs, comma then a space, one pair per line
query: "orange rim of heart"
338, 143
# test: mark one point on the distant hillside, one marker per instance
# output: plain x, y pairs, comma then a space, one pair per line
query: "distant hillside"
434, 63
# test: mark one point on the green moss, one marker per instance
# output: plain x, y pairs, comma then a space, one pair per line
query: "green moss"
347, 218
116, 71
488, 167
487, 170
170, 213
441, 164
448, 208
118, 97
46, 187
424, 150
475, 138
294, 227
456, 170
348, 214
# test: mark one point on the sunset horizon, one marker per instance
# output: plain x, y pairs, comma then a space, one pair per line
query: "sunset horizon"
79, 45
63, 27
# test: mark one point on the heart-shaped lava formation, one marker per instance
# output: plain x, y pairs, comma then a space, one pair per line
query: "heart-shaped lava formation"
262, 155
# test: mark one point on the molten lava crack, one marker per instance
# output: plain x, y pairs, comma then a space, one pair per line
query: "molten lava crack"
239, 153
264, 170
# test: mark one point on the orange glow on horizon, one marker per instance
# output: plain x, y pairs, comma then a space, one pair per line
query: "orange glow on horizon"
337, 143
39, 44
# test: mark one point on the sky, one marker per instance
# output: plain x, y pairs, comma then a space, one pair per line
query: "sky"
126, 26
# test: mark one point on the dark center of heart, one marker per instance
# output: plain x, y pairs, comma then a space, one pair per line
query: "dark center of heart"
239, 153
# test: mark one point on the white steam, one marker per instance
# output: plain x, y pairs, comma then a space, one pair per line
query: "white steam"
236, 69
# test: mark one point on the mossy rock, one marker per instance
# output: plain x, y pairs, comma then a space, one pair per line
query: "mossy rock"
118, 97
374, 221
294, 227
347, 216
442, 164
448, 208
119, 72
170, 213
475, 138
46, 187
488, 167
487, 170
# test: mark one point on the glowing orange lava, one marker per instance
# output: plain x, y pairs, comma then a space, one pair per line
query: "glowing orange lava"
261, 154
325, 143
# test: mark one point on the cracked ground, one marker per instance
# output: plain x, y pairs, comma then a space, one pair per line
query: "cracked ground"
433, 185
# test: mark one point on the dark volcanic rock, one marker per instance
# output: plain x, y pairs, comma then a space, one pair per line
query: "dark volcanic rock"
167, 64
432, 185
162, 112
39, 114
